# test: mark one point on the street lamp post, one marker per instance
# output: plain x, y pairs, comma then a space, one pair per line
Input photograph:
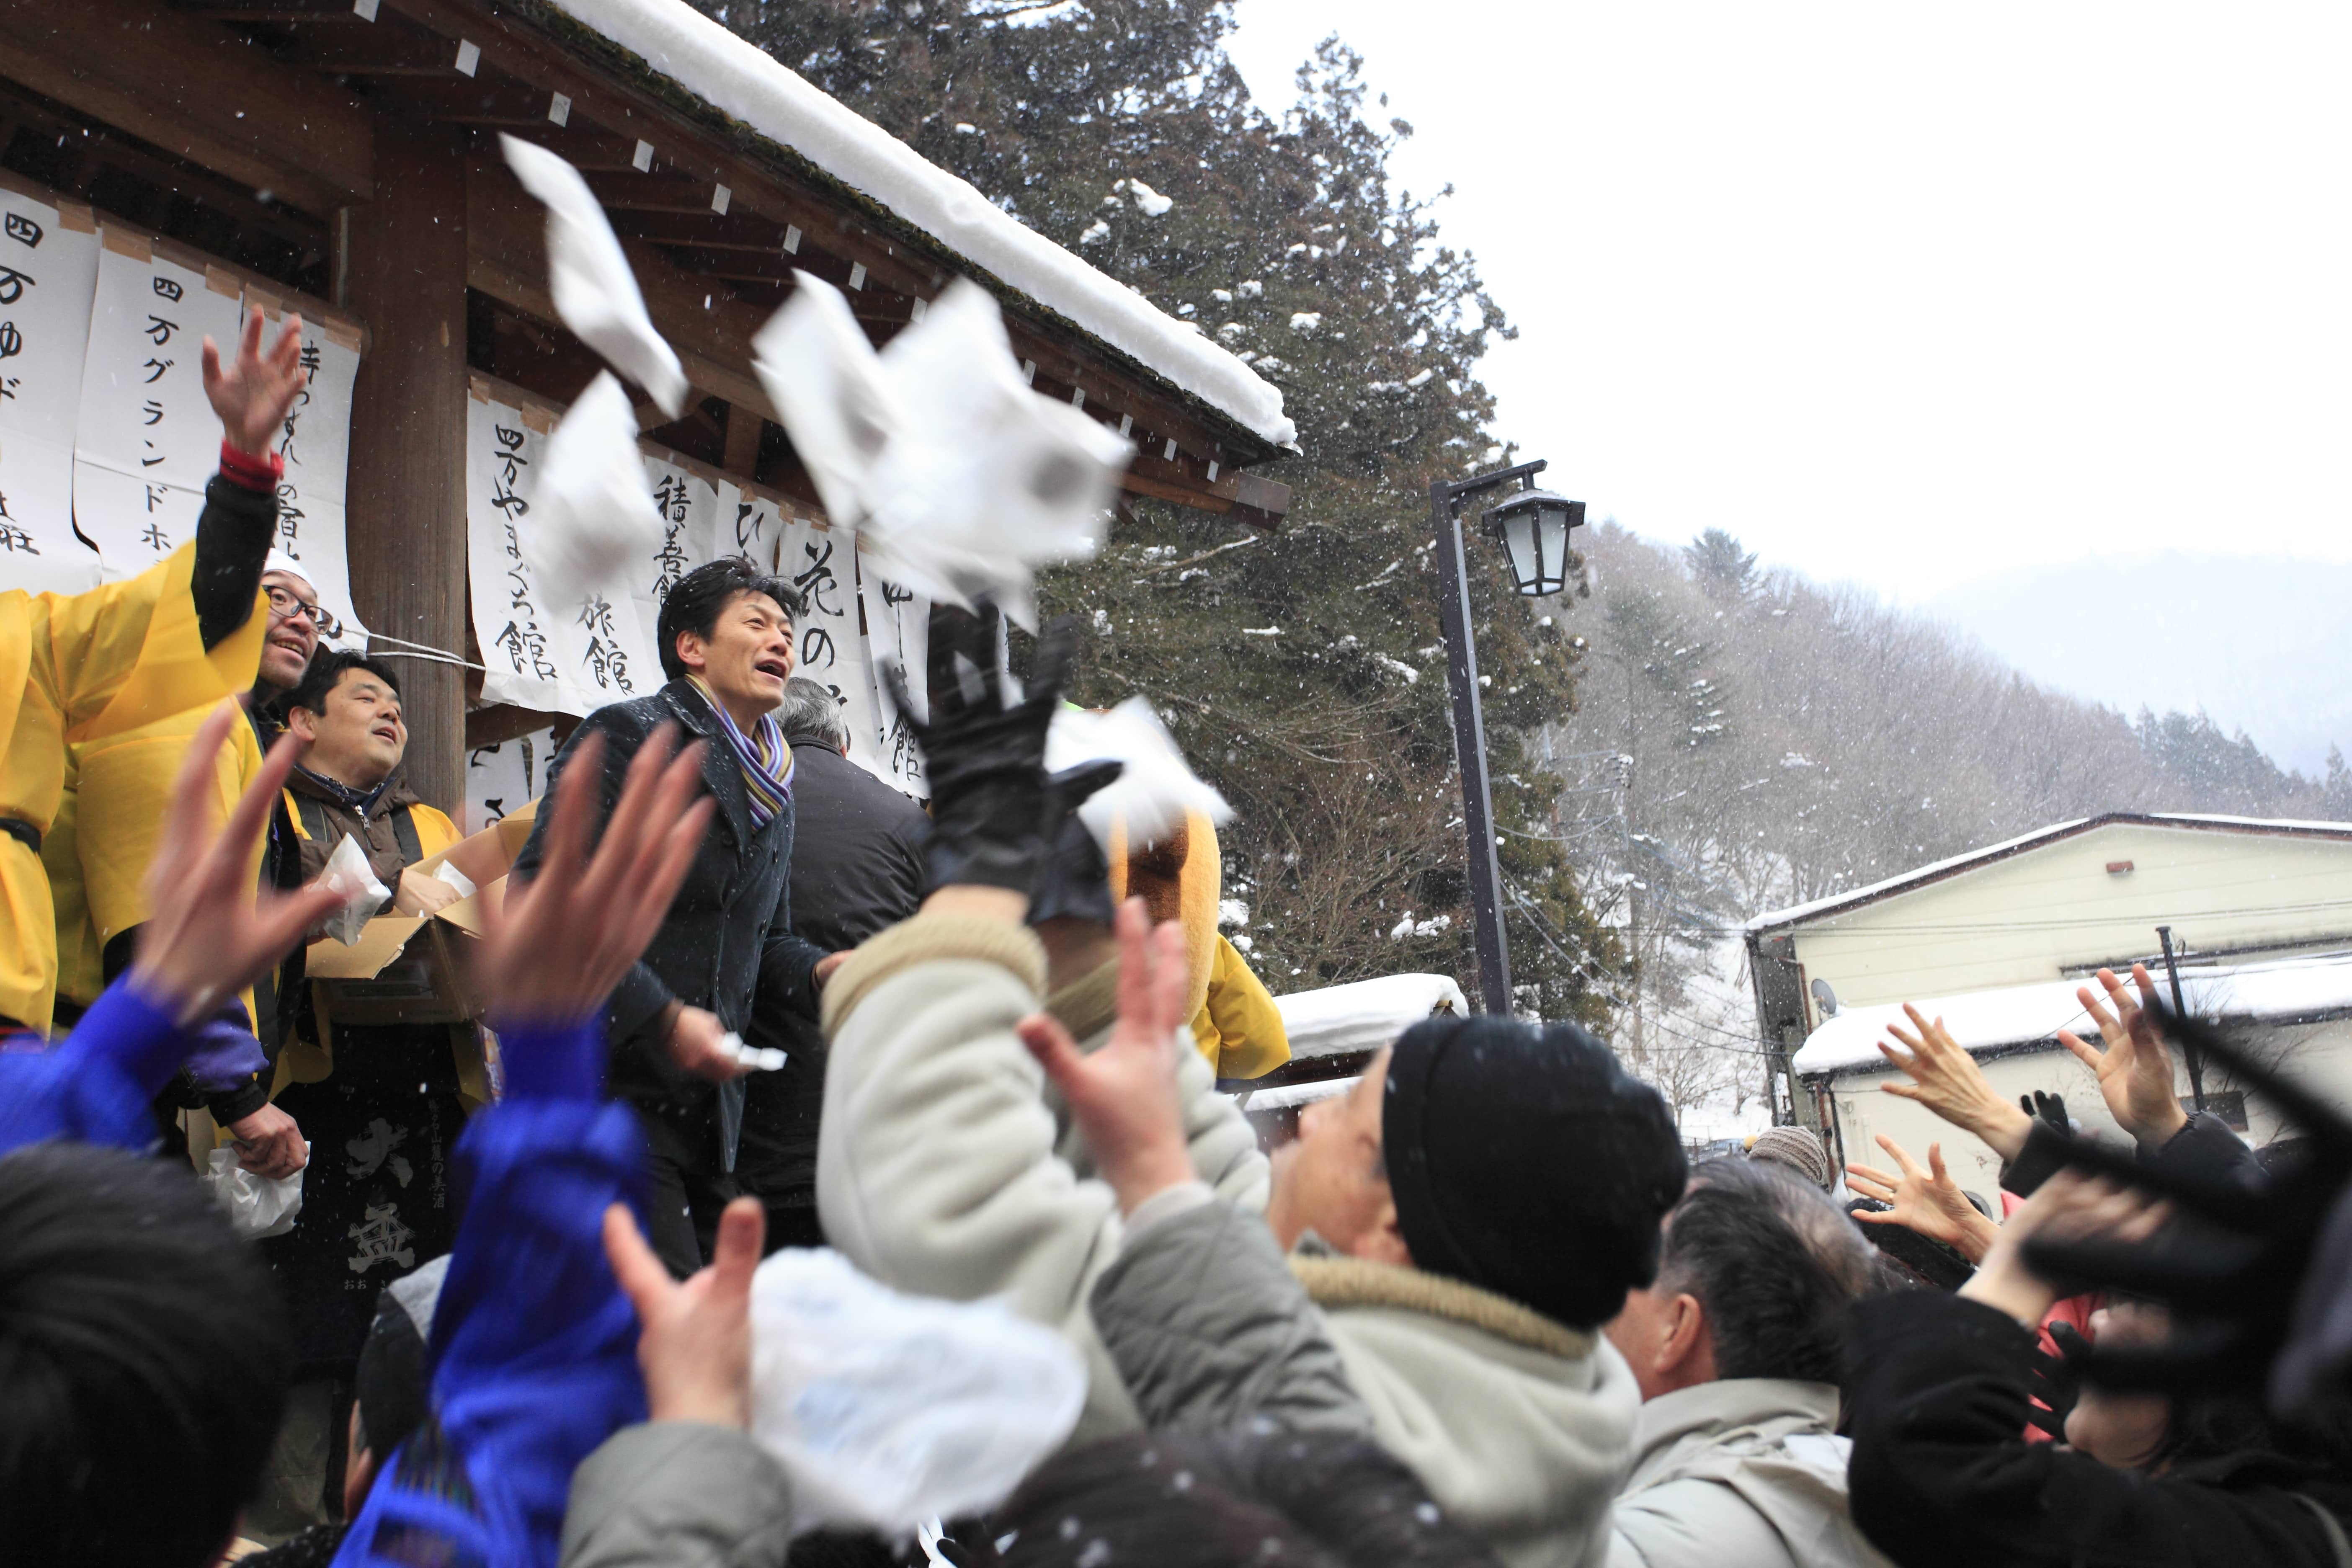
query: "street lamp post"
1534, 527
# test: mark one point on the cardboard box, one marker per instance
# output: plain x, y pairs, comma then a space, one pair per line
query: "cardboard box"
409, 969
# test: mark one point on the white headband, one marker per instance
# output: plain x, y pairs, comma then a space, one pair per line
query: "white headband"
280, 562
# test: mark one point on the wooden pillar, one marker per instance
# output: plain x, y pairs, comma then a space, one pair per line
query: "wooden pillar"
404, 274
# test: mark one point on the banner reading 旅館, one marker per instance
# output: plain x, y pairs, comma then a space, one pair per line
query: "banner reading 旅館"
576, 659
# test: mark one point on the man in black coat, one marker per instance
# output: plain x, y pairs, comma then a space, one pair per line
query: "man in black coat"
856, 868
727, 953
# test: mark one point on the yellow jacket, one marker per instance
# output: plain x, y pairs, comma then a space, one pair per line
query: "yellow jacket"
87, 668
81, 971
1239, 1028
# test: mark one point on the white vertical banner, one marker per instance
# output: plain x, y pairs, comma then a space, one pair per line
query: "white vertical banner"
146, 440
573, 658
821, 563
519, 646
690, 507
502, 776
898, 627
48, 276
751, 525
317, 444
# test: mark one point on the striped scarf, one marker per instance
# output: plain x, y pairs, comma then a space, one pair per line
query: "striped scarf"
765, 759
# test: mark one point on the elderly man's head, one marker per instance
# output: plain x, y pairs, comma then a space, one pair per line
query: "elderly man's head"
812, 713
1756, 1274
1520, 1159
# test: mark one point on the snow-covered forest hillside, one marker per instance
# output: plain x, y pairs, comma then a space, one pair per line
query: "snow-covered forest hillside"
1745, 740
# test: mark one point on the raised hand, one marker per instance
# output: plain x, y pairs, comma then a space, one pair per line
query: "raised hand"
1928, 1202
2135, 1069
554, 952
1123, 1097
1947, 1080
209, 937
696, 1345
993, 816
254, 394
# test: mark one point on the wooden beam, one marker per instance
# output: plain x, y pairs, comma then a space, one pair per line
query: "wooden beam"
506, 237
502, 721
744, 428
407, 520
192, 88
694, 155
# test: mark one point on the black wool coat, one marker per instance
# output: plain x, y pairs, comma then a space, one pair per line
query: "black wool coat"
856, 869
728, 945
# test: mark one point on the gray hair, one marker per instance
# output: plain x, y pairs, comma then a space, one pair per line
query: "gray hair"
810, 712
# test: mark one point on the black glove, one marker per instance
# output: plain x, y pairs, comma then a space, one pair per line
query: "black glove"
1075, 883
2056, 1381
2050, 1108
994, 813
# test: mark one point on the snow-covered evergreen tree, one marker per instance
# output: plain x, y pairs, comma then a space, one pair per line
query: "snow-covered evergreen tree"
1301, 669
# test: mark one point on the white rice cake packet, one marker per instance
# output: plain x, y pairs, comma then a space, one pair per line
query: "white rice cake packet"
347, 872
887, 1410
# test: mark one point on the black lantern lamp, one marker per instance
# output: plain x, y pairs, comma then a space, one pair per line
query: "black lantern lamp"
1534, 527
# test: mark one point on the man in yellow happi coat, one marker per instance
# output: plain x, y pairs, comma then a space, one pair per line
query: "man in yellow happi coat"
85, 668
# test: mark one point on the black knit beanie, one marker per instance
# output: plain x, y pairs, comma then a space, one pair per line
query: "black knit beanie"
1525, 1160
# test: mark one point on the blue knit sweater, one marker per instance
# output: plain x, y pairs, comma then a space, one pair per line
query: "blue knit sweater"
534, 1346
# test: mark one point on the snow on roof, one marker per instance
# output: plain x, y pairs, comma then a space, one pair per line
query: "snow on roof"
1364, 1015
734, 77
2022, 1015
1287, 1096
1920, 876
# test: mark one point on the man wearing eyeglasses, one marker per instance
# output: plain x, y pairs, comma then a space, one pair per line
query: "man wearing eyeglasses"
118, 811
121, 784
90, 667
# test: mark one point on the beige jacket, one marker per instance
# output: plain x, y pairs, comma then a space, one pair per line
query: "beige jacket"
1745, 1472
1521, 1428
943, 1167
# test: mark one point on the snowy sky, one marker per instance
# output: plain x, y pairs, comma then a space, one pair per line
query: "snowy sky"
1901, 294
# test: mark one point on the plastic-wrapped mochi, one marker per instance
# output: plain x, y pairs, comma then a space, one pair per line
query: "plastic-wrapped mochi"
888, 1410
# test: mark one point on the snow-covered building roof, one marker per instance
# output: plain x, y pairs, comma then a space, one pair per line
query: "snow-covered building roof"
1294, 1096
1923, 876
2286, 991
1364, 1015
672, 40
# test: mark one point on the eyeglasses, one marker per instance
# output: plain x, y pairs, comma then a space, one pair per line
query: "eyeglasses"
287, 608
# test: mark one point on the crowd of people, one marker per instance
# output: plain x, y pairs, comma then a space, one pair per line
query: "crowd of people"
1482, 1310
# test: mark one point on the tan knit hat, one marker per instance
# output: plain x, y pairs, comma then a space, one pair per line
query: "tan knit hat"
1798, 1149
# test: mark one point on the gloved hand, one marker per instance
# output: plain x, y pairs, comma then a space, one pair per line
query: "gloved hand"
2050, 1108
1075, 883
994, 812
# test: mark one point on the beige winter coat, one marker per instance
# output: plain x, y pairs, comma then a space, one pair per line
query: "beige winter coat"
1521, 1428
1745, 1472
941, 1166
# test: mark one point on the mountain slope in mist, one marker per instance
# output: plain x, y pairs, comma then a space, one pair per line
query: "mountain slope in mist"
2259, 643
